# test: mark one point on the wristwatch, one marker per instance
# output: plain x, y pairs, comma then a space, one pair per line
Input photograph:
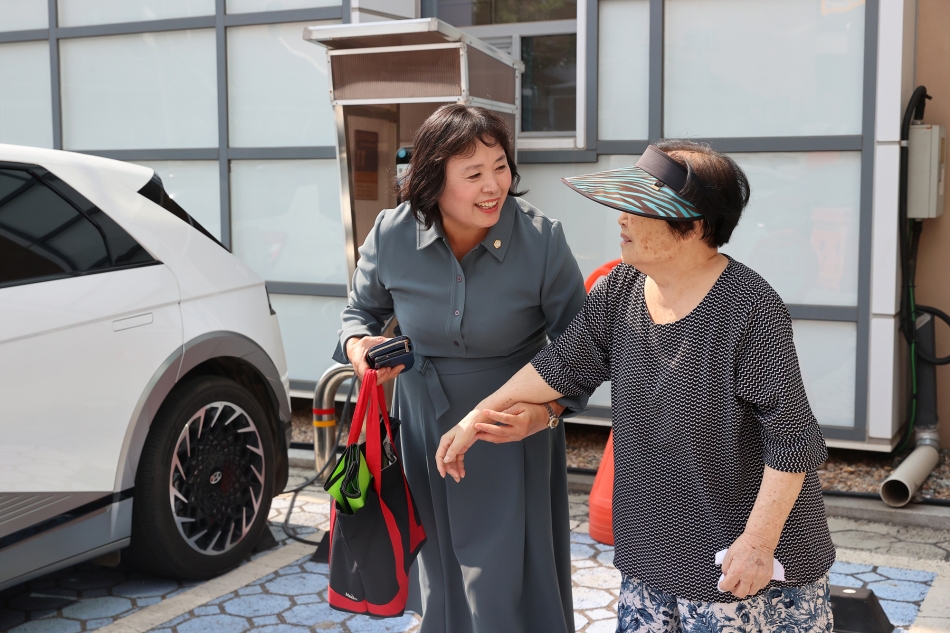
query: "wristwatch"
552, 417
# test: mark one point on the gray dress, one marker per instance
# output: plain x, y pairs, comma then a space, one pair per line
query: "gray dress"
498, 551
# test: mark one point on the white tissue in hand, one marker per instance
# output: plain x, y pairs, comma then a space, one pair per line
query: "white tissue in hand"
778, 570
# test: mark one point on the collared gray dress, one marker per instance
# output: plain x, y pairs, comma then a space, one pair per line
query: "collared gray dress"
497, 557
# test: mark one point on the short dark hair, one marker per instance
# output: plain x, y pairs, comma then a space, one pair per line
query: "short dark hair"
716, 186
452, 130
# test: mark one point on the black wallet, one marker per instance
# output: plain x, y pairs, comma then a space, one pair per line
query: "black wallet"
395, 351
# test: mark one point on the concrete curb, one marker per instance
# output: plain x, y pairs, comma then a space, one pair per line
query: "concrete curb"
911, 515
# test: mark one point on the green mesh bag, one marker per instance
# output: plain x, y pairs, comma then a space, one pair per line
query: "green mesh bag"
349, 481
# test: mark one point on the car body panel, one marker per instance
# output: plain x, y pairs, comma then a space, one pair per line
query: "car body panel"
71, 414
96, 533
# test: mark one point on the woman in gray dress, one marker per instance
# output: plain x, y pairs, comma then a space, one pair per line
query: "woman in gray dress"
479, 280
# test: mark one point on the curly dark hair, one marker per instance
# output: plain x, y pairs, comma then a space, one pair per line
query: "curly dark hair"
452, 130
716, 186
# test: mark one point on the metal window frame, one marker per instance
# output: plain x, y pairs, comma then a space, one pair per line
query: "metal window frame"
220, 21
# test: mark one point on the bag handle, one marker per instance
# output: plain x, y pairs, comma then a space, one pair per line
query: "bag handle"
359, 413
376, 410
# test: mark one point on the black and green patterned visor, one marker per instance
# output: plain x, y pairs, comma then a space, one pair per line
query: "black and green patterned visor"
650, 188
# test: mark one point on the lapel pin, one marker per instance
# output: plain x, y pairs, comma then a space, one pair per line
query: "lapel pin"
497, 243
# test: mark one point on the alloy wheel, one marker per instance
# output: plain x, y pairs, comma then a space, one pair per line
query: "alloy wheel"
216, 483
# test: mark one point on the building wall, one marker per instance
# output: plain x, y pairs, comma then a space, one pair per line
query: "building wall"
933, 279
229, 105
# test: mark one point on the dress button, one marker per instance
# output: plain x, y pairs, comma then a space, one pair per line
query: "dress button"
456, 313
456, 343
459, 279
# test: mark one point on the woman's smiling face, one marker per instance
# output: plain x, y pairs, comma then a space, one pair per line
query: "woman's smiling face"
476, 187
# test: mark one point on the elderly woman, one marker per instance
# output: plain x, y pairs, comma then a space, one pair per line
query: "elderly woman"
715, 444
478, 279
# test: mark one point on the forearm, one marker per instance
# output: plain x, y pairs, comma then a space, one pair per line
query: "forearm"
525, 386
777, 495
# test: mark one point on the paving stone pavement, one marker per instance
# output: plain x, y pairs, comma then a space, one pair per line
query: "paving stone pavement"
292, 598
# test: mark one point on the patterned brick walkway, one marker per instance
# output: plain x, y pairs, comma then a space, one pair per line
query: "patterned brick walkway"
292, 598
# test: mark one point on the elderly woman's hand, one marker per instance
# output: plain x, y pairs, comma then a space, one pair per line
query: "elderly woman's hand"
356, 348
517, 422
748, 566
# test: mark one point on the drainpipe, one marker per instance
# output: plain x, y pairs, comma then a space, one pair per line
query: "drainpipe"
324, 413
898, 489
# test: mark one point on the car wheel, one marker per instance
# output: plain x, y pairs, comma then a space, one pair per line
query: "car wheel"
204, 483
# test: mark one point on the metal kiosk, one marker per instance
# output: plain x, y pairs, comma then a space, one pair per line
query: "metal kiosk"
386, 78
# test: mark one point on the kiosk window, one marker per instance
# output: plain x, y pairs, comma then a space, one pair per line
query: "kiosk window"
478, 12
549, 84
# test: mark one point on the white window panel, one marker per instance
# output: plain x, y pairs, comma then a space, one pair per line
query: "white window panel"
309, 327
737, 68
195, 186
591, 229
86, 12
286, 220
800, 229
623, 72
253, 6
23, 15
26, 110
278, 92
147, 90
826, 355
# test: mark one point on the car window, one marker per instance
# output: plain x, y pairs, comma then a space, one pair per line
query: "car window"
44, 236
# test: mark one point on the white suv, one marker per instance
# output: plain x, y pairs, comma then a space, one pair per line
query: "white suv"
143, 386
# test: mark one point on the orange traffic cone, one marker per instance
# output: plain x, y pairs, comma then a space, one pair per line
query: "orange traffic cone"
600, 502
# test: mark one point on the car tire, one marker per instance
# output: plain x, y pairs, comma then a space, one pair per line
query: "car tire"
204, 483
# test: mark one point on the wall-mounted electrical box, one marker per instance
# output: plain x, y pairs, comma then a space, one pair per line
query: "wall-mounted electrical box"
926, 171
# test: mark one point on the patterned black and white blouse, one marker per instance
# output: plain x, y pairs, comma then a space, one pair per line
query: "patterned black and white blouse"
699, 407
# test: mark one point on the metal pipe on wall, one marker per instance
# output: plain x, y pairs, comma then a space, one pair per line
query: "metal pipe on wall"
898, 489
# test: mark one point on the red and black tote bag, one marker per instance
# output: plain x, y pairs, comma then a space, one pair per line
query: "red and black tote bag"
372, 549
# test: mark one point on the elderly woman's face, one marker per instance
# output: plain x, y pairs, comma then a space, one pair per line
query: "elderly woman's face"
645, 241
475, 187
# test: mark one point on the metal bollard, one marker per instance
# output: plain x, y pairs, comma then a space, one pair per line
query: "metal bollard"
324, 413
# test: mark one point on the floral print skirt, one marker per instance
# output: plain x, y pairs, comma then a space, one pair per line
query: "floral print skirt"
805, 609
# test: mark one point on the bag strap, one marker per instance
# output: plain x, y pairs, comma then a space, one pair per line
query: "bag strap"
367, 389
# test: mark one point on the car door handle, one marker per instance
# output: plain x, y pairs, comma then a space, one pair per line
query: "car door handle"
135, 321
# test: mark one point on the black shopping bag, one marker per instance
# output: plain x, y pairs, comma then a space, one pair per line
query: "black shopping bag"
372, 549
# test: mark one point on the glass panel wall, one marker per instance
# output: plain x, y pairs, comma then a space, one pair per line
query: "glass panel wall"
478, 12
309, 327
549, 83
826, 353
285, 219
800, 230
85, 12
278, 88
21, 15
195, 186
25, 106
591, 229
147, 90
623, 71
763, 68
